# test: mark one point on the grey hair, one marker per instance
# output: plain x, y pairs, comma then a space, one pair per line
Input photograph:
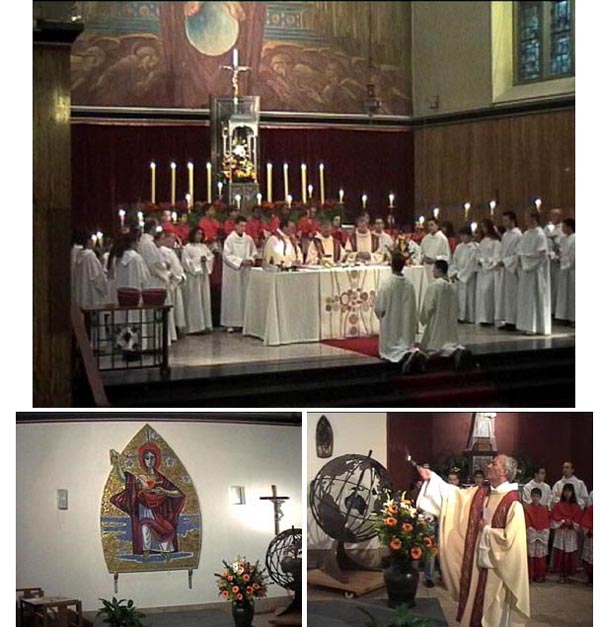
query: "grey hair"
511, 466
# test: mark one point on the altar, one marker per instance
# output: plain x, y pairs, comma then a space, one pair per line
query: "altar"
314, 304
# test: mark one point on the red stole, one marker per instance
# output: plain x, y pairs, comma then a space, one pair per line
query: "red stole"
374, 242
337, 248
498, 522
537, 516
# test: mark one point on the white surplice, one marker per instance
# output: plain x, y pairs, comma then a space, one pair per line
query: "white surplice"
176, 281
555, 237
545, 489
236, 249
581, 491
464, 269
439, 315
196, 290
507, 280
280, 250
565, 298
533, 296
396, 308
159, 277
488, 254
435, 246
131, 271
90, 288
503, 552
386, 244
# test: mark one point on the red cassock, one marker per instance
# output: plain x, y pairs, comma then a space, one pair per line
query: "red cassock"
537, 516
255, 229
211, 227
228, 227
340, 235
567, 511
308, 227
183, 231
587, 519
273, 224
166, 510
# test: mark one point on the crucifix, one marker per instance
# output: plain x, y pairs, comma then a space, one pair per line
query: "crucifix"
277, 503
235, 69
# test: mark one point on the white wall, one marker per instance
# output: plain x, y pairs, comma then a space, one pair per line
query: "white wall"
352, 433
61, 551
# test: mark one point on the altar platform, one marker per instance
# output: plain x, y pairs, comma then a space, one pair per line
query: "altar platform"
218, 369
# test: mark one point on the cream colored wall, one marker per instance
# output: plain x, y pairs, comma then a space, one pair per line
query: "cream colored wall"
61, 551
352, 433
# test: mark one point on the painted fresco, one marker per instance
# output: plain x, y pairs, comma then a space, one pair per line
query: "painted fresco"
305, 56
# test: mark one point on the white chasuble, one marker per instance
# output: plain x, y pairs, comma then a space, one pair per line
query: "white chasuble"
236, 250
485, 570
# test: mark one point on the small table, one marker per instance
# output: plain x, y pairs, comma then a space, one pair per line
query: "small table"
42, 606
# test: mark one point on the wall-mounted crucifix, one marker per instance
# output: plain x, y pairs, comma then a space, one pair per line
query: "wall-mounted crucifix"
277, 503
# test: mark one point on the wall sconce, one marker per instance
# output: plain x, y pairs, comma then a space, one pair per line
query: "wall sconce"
62, 499
237, 495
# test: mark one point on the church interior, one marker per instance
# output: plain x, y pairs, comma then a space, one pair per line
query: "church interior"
236, 489
401, 110
348, 449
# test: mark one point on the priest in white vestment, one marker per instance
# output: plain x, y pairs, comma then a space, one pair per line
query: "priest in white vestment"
281, 248
539, 483
463, 269
439, 313
197, 261
363, 245
324, 249
434, 246
581, 491
483, 545
555, 236
386, 242
396, 308
507, 279
533, 296
90, 287
239, 253
488, 254
176, 280
565, 299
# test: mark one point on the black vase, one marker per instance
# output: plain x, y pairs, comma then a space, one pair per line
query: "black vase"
243, 613
401, 580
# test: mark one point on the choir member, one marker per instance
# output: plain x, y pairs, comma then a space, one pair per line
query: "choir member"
176, 280
488, 253
565, 299
507, 280
533, 295
539, 484
464, 270
281, 248
447, 228
159, 277
434, 246
239, 253
587, 526
256, 227
565, 516
555, 237
229, 224
90, 287
182, 228
324, 249
568, 476
338, 232
130, 269
197, 261
363, 245
211, 228
537, 520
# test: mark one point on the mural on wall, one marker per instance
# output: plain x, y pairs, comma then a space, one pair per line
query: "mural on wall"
150, 517
305, 56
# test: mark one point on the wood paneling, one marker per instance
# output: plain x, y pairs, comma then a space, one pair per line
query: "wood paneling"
52, 226
512, 160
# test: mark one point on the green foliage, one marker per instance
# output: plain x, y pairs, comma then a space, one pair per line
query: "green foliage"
403, 618
121, 613
453, 462
525, 467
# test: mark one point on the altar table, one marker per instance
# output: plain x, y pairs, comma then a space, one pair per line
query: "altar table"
310, 305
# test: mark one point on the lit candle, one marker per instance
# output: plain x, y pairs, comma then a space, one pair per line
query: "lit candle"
238, 201
303, 182
140, 218
436, 213
208, 182
341, 195
286, 190
421, 220
220, 189
473, 227
190, 167
94, 238
122, 217
289, 200
100, 235
310, 191
467, 206
259, 198
188, 199
538, 203
236, 57
492, 207
269, 182
153, 182
174, 216
364, 201
322, 182
391, 199
173, 182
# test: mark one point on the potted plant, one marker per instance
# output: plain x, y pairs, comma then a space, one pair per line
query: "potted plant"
403, 618
241, 582
121, 613
409, 538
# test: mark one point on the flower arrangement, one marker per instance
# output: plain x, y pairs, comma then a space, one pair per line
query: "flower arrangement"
403, 530
241, 581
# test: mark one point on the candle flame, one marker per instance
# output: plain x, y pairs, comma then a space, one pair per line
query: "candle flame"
152, 164
173, 165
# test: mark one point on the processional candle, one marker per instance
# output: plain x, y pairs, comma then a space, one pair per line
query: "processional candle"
492, 207
467, 206
173, 181
538, 203
238, 201
341, 193
289, 200
391, 199
269, 182
220, 189
310, 191
364, 201
286, 190
259, 199
152, 183
322, 182
436, 213
188, 200
122, 217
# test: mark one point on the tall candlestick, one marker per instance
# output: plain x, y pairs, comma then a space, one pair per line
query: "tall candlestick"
173, 181
341, 194
259, 199
436, 213
364, 201
473, 227
220, 189
188, 200
269, 182
467, 206
238, 201
492, 207
153, 182
122, 217
190, 167
288, 199
538, 203
236, 57
391, 199
286, 189
310, 191
208, 182
322, 182
303, 182
174, 216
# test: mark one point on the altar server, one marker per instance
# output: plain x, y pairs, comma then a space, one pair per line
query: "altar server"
507, 280
324, 249
488, 253
239, 253
533, 295
566, 516
281, 248
176, 280
555, 236
396, 308
537, 520
363, 245
159, 277
90, 287
434, 245
197, 261
568, 476
587, 526
130, 269
464, 270
539, 484
256, 227
565, 299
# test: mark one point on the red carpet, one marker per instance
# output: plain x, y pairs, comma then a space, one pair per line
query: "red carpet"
368, 346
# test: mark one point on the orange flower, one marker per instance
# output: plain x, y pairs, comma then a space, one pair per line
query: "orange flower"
407, 502
239, 597
255, 586
416, 553
395, 544
407, 527
427, 541
224, 594
246, 577
392, 509
249, 590
229, 577
235, 589
390, 521
225, 573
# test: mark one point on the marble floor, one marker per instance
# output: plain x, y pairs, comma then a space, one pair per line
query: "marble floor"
552, 604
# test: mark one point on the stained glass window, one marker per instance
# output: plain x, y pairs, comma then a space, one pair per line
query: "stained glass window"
544, 40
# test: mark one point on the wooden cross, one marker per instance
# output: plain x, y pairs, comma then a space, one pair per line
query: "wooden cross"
277, 503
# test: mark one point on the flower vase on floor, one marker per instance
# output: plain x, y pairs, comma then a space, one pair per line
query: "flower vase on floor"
401, 581
243, 613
